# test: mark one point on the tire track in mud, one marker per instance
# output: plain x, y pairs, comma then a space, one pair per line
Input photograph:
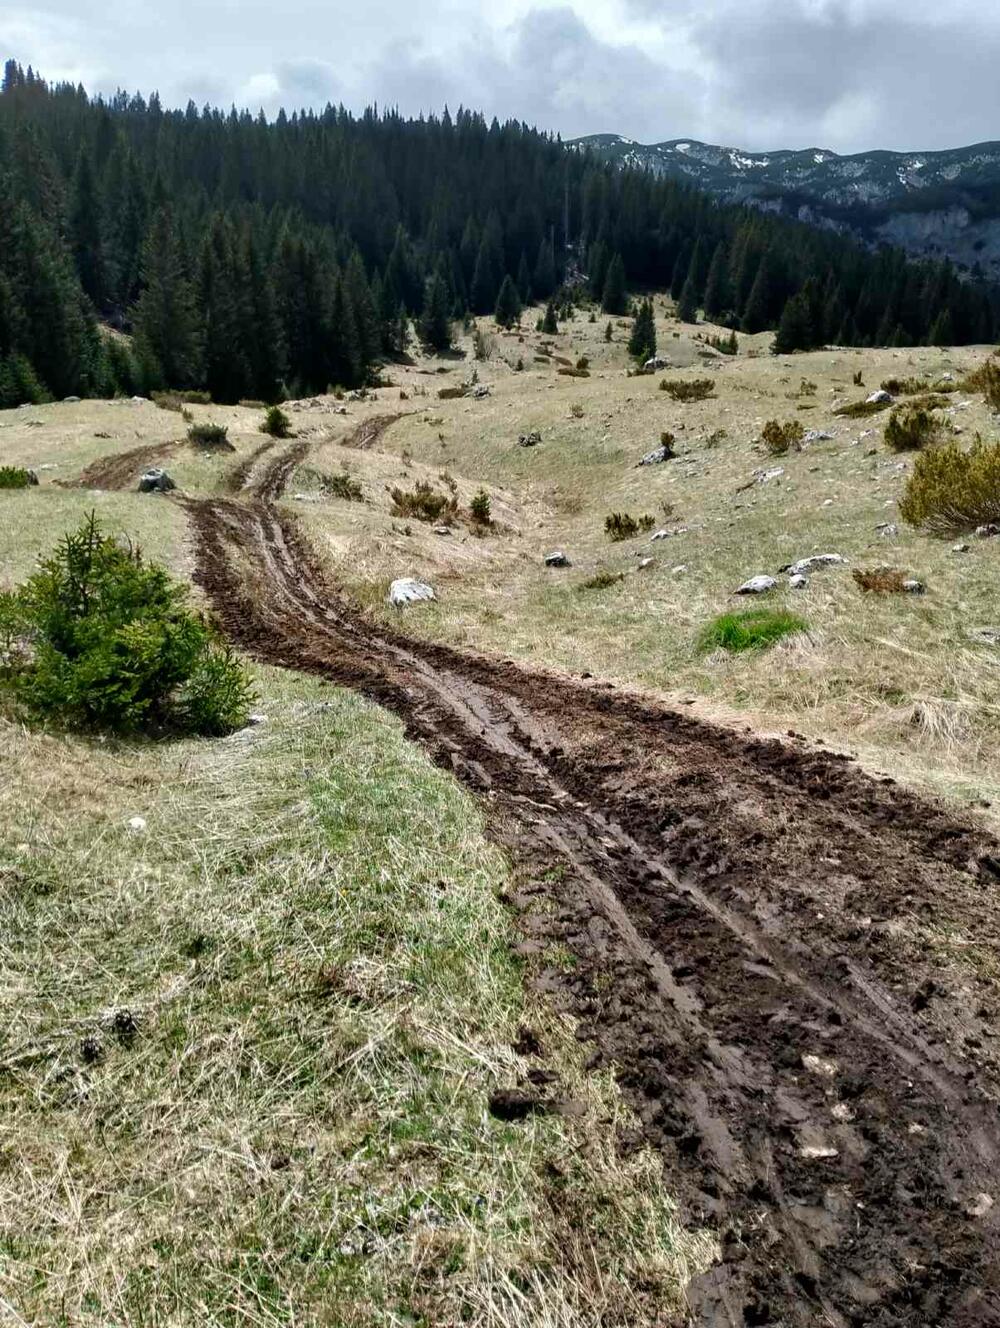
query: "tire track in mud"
752, 923
366, 434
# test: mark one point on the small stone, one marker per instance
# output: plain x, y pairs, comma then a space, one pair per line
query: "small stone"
798, 581
645, 562
988, 531
913, 586
255, 718
981, 1205
70, 400
557, 559
989, 636
531, 439
888, 530
442, 530
960, 548
137, 824
813, 561
757, 585
679, 570
827, 502
878, 397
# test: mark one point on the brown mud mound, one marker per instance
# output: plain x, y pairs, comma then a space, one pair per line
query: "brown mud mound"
123, 470
771, 948
368, 432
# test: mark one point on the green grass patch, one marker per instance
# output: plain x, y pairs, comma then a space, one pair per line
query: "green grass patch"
753, 629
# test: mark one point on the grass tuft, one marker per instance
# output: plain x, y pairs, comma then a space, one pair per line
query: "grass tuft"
753, 629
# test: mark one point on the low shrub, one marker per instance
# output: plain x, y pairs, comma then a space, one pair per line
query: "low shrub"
688, 389
450, 393
98, 638
857, 379
343, 486
211, 436
905, 387
251, 403
950, 491
910, 428
14, 477
985, 379
780, 438
602, 580
859, 410
570, 372
173, 400
422, 503
753, 629
583, 362
276, 423
622, 525
885, 580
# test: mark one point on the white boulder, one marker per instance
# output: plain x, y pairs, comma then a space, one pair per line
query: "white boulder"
406, 590
757, 585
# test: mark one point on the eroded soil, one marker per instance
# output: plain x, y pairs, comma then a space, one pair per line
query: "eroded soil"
788, 963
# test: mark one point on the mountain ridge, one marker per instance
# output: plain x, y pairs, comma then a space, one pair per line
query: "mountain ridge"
939, 203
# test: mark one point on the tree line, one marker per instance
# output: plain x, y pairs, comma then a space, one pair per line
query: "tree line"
259, 259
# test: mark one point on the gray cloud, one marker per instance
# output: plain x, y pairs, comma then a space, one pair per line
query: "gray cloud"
845, 74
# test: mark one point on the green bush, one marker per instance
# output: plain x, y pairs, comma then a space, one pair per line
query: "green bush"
910, 428
14, 477
860, 410
276, 423
688, 389
985, 379
215, 436
905, 387
950, 491
343, 486
602, 580
98, 638
780, 438
752, 629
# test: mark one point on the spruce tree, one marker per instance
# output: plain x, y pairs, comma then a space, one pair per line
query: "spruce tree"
613, 297
523, 280
795, 330
550, 324
166, 323
544, 282
687, 305
508, 307
434, 327
716, 298
85, 229
757, 314
642, 342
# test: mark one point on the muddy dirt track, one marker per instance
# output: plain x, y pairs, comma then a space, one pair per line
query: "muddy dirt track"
766, 943
122, 470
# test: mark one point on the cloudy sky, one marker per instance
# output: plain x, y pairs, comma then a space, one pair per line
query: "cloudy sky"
760, 74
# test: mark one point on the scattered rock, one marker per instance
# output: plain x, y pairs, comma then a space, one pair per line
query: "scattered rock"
480, 390
645, 562
557, 559
988, 531
763, 476
442, 530
679, 570
827, 502
816, 436
69, 400
255, 718
155, 481
913, 586
980, 1205
887, 529
812, 562
989, 636
798, 581
531, 439
757, 585
408, 591
667, 534
878, 397
655, 363
307, 498
137, 824
32, 478
960, 548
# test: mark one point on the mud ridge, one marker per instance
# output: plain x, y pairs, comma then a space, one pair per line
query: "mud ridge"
768, 949
366, 434
122, 470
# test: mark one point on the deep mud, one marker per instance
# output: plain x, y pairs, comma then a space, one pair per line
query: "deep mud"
368, 432
788, 962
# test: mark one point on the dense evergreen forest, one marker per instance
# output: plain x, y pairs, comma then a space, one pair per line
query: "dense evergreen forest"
255, 259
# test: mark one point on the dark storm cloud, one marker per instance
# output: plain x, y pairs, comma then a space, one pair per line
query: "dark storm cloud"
846, 74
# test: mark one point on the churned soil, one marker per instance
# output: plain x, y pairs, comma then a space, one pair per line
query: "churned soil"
789, 963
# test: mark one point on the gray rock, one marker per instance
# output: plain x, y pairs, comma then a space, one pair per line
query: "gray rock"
557, 559
988, 531
887, 529
989, 636
657, 455
479, 391
679, 570
155, 481
879, 396
645, 562
668, 534
531, 439
798, 581
657, 362
812, 562
960, 548
442, 530
816, 436
763, 476
70, 400
406, 590
32, 478
913, 587
757, 585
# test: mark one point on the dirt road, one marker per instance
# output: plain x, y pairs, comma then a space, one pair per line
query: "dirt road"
791, 965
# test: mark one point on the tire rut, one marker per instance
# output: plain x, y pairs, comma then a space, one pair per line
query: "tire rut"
122, 469
755, 931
